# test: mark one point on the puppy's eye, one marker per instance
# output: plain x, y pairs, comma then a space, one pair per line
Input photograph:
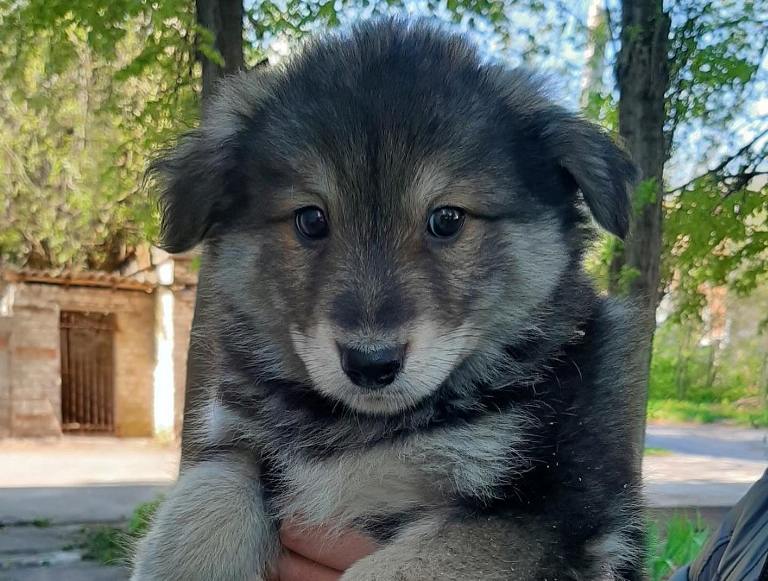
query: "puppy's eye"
311, 222
445, 222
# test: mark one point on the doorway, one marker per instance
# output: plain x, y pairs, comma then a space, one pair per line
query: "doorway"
87, 371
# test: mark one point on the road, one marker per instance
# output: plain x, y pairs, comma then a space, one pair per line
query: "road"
713, 440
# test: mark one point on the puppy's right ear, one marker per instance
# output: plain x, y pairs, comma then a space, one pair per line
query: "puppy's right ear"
192, 178
199, 179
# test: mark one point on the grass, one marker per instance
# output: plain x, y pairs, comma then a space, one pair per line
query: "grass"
107, 545
705, 413
657, 452
113, 545
673, 544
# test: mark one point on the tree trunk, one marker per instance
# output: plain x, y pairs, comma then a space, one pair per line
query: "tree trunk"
681, 375
643, 77
597, 41
714, 348
224, 19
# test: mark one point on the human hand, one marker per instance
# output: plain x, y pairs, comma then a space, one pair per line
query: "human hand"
317, 554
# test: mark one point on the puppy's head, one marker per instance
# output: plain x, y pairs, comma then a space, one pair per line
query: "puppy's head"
384, 206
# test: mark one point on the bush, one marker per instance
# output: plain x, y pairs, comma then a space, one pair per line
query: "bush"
690, 382
706, 413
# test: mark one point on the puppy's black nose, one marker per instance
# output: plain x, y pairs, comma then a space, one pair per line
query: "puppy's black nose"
372, 369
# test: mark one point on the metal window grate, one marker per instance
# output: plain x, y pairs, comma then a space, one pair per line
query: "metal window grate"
87, 371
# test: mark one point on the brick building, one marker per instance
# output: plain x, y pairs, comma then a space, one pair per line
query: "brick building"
95, 352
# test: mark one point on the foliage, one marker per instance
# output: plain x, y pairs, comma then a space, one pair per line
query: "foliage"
707, 361
715, 236
142, 516
714, 219
716, 47
676, 411
716, 222
90, 89
87, 90
673, 545
696, 377
715, 368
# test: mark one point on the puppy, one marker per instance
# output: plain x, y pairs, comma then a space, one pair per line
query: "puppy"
403, 340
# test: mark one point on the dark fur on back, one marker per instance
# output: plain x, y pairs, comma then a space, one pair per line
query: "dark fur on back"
518, 396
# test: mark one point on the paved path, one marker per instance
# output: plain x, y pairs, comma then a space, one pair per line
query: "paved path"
67, 484
76, 461
712, 440
32, 553
710, 465
81, 480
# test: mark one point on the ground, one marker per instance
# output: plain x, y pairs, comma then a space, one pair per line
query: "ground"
50, 490
710, 465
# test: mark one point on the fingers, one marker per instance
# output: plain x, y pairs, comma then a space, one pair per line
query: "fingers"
293, 567
333, 550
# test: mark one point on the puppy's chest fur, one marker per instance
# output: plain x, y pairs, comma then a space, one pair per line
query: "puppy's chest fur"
423, 472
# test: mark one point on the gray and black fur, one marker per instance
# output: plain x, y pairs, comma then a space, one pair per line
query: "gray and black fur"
506, 446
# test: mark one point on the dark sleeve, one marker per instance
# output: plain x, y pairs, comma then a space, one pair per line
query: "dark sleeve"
738, 550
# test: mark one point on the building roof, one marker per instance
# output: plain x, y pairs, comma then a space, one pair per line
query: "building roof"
76, 278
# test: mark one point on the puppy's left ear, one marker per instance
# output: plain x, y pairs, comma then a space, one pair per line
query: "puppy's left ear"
602, 170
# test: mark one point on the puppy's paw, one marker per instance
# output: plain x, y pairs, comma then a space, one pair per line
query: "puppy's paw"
376, 568
399, 561
212, 527
413, 555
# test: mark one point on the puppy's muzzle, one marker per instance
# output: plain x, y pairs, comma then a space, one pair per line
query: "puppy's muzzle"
372, 369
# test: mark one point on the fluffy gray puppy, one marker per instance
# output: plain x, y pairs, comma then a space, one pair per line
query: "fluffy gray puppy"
402, 337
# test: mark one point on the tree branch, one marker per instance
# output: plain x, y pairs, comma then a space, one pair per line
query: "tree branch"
722, 165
